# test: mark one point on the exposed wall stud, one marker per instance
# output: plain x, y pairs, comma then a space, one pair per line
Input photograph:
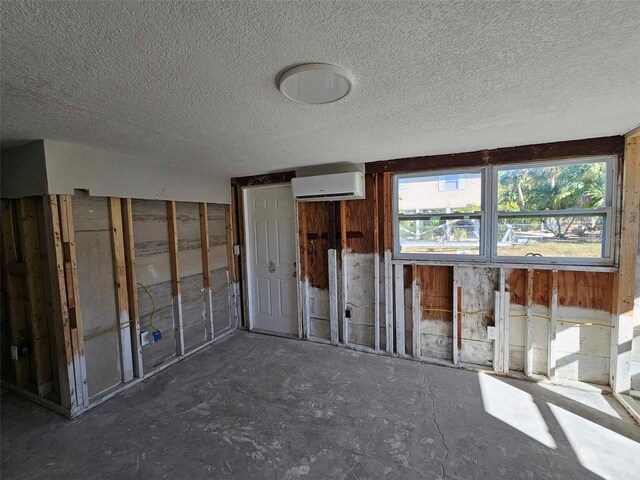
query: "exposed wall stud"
416, 311
175, 276
14, 288
122, 298
132, 287
73, 297
59, 300
399, 301
553, 312
528, 333
35, 293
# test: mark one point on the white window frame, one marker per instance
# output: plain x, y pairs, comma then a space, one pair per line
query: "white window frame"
609, 211
489, 217
484, 217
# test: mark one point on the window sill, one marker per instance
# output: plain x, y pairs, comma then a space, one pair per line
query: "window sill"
501, 264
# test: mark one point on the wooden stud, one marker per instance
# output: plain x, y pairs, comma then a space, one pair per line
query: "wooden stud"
333, 296
132, 287
553, 313
73, 297
416, 311
206, 268
303, 266
35, 293
59, 300
528, 333
625, 284
175, 276
399, 301
376, 266
388, 299
122, 298
204, 244
459, 319
343, 278
504, 314
387, 218
15, 291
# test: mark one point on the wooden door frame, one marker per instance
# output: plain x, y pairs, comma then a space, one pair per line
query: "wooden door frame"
246, 264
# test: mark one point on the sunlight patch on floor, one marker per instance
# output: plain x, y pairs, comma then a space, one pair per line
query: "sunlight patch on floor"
515, 408
605, 453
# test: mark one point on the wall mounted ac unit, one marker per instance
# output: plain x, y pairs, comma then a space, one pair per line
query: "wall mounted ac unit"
322, 188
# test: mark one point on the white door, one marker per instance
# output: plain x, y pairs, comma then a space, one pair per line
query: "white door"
271, 268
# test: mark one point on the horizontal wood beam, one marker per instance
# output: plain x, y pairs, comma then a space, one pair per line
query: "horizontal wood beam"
498, 156
267, 178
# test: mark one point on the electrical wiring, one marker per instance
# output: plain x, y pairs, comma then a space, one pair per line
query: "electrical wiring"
153, 306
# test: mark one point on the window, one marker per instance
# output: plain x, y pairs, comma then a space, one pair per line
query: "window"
437, 220
552, 212
555, 211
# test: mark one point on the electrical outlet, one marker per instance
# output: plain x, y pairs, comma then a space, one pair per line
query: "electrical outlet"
236, 250
491, 333
157, 336
14, 352
145, 338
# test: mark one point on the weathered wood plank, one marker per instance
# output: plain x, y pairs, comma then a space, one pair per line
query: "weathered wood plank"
122, 297
175, 276
35, 292
73, 298
59, 299
15, 291
132, 288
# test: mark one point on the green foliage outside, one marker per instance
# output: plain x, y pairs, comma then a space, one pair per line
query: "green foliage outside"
554, 188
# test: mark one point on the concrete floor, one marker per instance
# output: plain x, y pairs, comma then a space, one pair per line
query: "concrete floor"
256, 406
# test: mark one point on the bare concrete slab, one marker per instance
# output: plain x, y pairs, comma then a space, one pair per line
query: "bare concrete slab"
255, 406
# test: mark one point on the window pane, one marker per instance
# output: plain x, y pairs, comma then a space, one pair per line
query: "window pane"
439, 236
557, 187
460, 193
580, 237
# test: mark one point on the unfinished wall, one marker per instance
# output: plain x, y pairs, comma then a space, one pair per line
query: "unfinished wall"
96, 280
221, 284
457, 303
155, 298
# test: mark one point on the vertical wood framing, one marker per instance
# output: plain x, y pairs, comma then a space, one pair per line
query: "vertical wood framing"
132, 287
73, 297
303, 266
553, 312
204, 244
122, 297
504, 314
59, 300
498, 344
35, 293
528, 333
300, 298
625, 280
14, 289
456, 320
388, 300
399, 300
376, 266
333, 296
175, 276
416, 310
343, 278
206, 269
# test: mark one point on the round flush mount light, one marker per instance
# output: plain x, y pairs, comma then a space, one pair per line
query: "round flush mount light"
315, 83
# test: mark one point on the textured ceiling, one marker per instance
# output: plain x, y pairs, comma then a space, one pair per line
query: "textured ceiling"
193, 84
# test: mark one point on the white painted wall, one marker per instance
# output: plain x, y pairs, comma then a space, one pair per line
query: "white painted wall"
23, 172
108, 174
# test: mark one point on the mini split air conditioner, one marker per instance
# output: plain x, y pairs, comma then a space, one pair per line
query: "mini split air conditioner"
322, 188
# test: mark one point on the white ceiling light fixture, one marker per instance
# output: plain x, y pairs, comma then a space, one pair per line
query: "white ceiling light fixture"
315, 83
